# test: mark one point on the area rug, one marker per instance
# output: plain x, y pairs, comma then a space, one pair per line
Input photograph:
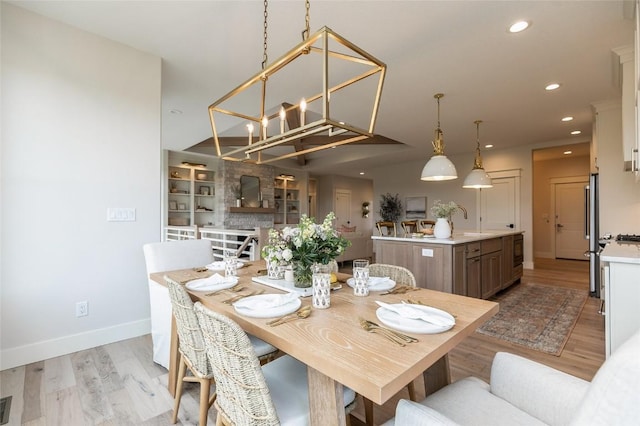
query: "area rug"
537, 316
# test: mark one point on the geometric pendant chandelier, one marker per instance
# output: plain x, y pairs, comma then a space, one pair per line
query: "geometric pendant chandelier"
294, 105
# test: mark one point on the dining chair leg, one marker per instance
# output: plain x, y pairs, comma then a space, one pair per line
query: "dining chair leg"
205, 388
412, 391
179, 386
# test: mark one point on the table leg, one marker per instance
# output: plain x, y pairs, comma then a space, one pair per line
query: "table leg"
173, 358
437, 376
326, 400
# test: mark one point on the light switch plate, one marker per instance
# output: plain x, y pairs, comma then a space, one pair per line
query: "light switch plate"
121, 214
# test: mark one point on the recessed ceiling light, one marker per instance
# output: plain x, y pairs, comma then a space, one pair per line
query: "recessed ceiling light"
552, 86
488, 146
518, 26
361, 173
175, 111
576, 132
569, 118
567, 152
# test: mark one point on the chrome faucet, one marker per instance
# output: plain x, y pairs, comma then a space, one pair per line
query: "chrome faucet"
464, 212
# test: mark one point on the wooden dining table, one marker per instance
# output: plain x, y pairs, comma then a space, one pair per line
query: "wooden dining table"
337, 351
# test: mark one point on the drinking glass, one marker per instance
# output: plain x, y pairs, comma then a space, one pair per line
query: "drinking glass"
230, 263
361, 277
321, 279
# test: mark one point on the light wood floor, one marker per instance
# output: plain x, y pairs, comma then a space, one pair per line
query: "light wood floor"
118, 384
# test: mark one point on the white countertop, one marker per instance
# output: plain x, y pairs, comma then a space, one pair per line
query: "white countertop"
621, 253
461, 237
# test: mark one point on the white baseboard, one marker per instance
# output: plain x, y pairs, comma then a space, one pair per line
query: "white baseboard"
527, 264
22, 355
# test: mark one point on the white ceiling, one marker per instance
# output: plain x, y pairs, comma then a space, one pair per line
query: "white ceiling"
459, 48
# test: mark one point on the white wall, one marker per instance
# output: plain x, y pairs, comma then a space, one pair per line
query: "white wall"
81, 133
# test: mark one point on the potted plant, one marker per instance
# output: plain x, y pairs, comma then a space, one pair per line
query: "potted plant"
390, 207
442, 212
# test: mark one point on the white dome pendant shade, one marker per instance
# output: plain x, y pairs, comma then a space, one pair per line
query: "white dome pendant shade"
439, 167
477, 178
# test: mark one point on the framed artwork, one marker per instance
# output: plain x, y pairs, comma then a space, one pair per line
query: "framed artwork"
416, 207
173, 205
182, 206
204, 190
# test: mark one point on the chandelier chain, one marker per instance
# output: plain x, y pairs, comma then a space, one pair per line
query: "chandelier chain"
264, 45
306, 31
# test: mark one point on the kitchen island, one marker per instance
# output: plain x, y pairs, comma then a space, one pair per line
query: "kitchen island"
475, 264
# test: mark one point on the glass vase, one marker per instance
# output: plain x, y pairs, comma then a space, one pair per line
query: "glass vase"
302, 274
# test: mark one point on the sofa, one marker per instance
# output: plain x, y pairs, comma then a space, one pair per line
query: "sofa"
524, 392
361, 246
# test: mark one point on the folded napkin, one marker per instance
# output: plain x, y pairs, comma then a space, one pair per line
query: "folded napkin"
206, 284
408, 311
265, 301
215, 266
377, 281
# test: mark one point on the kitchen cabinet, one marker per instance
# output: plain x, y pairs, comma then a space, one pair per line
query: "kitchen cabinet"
191, 196
621, 293
286, 201
491, 267
473, 265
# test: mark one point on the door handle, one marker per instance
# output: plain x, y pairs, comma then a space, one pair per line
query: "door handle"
511, 225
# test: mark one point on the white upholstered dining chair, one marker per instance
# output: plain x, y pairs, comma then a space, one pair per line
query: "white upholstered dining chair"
192, 351
169, 256
275, 394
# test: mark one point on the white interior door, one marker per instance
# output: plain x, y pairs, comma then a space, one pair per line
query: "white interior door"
500, 205
569, 221
343, 207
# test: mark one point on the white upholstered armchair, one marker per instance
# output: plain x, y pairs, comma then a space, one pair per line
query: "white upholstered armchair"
524, 392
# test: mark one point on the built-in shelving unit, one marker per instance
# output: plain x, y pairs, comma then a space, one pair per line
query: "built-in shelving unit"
286, 201
191, 197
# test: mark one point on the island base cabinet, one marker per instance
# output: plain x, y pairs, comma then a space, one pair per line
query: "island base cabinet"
431, 265
477, 269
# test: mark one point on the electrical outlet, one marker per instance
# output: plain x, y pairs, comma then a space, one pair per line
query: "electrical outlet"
82, 309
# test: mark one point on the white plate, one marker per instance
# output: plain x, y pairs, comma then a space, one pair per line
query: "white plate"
202, 285
276, 311
219, 266
395, 321
379, 286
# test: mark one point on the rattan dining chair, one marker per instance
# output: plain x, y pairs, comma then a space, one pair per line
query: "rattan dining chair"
192, 351
275, 394
402, 276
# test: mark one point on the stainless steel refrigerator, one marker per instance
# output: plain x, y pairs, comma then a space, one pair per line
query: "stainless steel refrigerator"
592, 233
